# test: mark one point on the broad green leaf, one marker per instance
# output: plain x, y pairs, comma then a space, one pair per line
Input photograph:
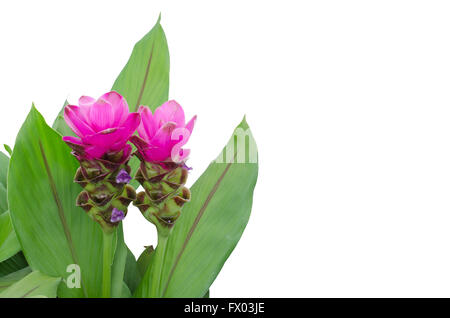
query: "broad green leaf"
145, 78
120, 254
132, 276
143, 81
9, 245
13, 264
33, 285
12, 278
60, 125
207, 294
10, 258
52, 231
144, 259
210, 225
126, 293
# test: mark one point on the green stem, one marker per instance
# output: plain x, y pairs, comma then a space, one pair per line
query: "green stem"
107, 260
160, 254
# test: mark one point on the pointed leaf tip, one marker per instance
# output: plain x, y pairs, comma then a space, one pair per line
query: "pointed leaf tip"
8, 149
244, 124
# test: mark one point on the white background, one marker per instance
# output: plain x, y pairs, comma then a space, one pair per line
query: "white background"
348, 101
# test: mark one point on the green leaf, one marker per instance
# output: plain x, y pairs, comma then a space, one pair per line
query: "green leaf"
143, 81
210, 225
11, 259
9, 245
118, 267
132, 275
126, 293
12, 278
4, 162
144, 259
3, 199
35, 284
8, 149
52, 231
145, 78
59, 124
13, 264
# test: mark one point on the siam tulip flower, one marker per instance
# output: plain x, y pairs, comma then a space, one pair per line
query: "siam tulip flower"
163, 133
163, 172
104, 127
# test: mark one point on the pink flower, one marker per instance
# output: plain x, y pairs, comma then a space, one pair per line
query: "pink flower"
103, 125
163, 133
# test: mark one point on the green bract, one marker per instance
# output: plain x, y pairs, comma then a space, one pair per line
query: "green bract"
50, 247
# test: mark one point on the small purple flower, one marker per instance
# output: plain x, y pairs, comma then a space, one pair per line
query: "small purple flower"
117, 215
123, 177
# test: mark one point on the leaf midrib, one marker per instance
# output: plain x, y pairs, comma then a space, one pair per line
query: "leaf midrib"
61, 214
147, 71
30, 291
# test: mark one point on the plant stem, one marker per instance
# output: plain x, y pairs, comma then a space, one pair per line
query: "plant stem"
159, 257
107, 260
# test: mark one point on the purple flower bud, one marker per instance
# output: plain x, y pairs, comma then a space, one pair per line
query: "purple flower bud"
117, 215
123, 177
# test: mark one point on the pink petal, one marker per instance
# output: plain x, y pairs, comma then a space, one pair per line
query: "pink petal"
105, 138
131, 123
169, 111
120, 106
112, 97
73, 140
163, 137
127, 151
86, 101
101, 115
190, 125
147, 128
76, 122
95, 151
74, 143
156, 154
180, 156
115, 137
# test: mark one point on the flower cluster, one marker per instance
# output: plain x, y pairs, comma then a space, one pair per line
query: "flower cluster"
104, 127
